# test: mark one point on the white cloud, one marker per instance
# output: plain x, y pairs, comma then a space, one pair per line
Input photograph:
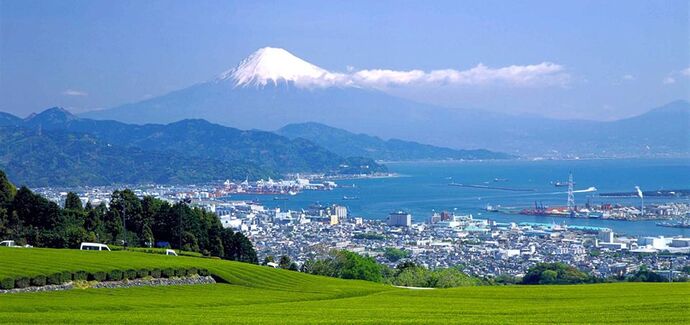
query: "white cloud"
685, 72
669, 80
628, 77
72, 92
542, 74
672, 77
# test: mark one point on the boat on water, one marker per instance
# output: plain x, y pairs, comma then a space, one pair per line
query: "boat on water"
349, 198
561, 184
679, 224
280, 198
502, 188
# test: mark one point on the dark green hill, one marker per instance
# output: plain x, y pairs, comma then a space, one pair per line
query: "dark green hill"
60, 158
350, 144
202, 139
55, 147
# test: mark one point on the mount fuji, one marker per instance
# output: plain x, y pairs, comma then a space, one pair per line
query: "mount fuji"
272, 88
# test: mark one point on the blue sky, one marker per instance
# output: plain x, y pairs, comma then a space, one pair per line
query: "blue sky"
614, 58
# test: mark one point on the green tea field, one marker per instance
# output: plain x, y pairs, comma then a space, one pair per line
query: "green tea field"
256, 294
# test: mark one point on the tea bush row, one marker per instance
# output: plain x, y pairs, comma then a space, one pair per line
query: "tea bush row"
112, 275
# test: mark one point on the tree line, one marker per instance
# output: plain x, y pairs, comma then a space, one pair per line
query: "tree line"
349, 265
28, 218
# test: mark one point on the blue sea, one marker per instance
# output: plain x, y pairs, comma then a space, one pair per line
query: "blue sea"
423, 187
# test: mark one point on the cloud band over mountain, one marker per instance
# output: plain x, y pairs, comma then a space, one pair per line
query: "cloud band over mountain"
271, 65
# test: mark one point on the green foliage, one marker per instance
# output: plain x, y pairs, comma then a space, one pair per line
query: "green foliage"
22, 282
56, 278
7, 190
370, 236
395, 254
88, 152
554, 273
114, 275
7, 283
168, 272
66, 276
268, 259
72, 202
237, 247
59, 158
142, 273
30, 218
38, 280
646, 275
156, 273
180, 272
409, 274
349, 144
98, 276
284, 262
346, 265
80, 276
129, 274
505, 279
258, 294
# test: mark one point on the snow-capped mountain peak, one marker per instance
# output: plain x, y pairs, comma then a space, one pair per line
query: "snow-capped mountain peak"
270, 65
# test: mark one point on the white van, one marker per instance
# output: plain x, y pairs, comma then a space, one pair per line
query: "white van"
8, 243
170, 252
94, 247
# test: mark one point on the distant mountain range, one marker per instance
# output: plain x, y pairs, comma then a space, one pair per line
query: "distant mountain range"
347, 143
60, 158
58, 148
273, 88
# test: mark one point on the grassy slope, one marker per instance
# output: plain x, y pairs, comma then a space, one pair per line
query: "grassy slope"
260, 294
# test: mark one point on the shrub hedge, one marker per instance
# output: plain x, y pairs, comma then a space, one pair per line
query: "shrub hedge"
22, 282
97, 276
129, 274
55, 278
7, 283
112, 275
38, 280
142, 273
66, 276
80, 276
167, 272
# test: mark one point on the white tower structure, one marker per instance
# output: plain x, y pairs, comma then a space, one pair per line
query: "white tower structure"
571, 194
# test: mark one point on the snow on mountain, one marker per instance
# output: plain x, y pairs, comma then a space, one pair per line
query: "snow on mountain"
272, 88
270, 65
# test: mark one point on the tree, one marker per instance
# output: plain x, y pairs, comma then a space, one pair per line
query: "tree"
189, 242
268, 259
645, 275
147, 235
554, 273
395, 254
450, 278
7, 190
29, 218
284, 262
346, 265
73, 202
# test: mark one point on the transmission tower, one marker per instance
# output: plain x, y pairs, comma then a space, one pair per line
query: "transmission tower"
571, 195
